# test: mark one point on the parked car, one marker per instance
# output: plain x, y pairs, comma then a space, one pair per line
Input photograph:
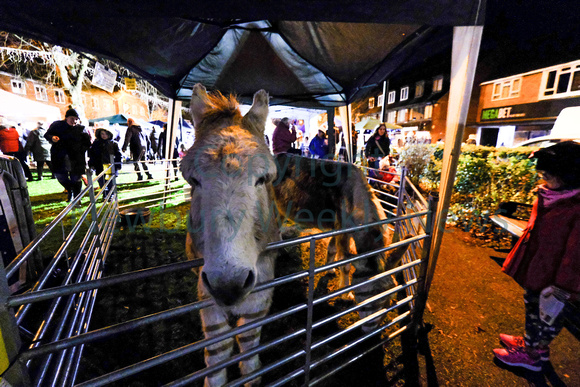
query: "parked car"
545, 141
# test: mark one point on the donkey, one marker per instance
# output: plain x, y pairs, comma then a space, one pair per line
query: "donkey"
333, 195
239, 194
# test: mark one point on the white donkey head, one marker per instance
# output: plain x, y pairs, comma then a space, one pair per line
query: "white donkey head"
232, 217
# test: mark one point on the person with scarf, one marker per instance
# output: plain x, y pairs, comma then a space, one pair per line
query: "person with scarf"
546, 259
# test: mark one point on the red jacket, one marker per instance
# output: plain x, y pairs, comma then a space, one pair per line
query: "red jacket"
548, 253
282, 138
9, 140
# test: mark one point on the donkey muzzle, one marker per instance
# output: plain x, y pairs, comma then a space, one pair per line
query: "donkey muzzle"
229, 290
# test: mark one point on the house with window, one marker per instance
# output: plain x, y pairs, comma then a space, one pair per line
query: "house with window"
48, 103
415, 100
523, 106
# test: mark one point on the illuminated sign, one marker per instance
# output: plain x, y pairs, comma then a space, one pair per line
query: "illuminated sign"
501, 113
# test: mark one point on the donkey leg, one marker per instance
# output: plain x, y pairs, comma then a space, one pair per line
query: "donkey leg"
214, 322
247, 341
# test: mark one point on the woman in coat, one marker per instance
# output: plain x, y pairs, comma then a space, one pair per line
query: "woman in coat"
377, 146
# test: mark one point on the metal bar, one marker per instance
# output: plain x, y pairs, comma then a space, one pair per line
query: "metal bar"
52, 265
310, 310
328, 234
160, 359
33, 245
57, 334
42, 295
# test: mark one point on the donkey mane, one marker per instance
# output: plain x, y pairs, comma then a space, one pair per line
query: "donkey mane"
221, 108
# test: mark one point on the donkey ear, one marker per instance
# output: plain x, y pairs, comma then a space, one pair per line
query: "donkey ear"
199, 103
255, 119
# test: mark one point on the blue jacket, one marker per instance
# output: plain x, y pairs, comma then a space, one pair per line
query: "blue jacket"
317, 147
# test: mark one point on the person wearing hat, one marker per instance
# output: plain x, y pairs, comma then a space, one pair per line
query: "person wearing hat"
70, 141
546, 259
100, 153
138, 144
40, 148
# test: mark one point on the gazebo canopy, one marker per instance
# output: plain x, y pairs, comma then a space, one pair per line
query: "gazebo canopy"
308, 53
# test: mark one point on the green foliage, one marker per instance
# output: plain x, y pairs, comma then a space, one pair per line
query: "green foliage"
485, 177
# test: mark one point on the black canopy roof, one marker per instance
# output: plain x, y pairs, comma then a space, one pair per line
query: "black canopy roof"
304, 53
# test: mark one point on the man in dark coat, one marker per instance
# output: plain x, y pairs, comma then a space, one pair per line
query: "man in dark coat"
70, 142
138, 144
161, 149
40, 148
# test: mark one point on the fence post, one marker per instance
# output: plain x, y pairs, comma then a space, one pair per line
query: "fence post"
428, 266
400, 203
14, 373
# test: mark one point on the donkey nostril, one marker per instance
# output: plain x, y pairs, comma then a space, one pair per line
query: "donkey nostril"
205, 280
249, 280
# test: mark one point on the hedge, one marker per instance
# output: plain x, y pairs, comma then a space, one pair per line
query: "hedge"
486, 176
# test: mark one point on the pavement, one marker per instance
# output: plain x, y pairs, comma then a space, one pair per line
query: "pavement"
470, 303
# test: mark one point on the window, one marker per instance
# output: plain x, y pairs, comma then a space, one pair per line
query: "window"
95, 102
438, 84
59, 96
84, 99
392, 116
419, 88
404, 93
402, 115
371, 102
417, 114
428, 112
380, 100
126, 108
18, 86
392, 96
40, 93
506, 89
562, 81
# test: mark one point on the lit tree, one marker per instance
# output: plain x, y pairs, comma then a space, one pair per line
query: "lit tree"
58, 66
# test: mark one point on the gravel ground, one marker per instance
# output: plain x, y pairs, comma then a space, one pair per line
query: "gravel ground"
471, 301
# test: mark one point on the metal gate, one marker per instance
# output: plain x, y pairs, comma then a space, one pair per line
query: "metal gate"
46, 328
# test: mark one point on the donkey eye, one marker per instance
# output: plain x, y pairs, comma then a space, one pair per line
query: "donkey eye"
261, 180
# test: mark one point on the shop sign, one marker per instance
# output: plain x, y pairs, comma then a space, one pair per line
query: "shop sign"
130, 84
501, 113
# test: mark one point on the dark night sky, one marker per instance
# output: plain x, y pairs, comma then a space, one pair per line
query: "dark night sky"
520, 36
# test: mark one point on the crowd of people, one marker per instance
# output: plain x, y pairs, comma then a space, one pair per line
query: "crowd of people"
65, 147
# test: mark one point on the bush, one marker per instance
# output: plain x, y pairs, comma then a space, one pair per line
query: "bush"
485, 177
416, 158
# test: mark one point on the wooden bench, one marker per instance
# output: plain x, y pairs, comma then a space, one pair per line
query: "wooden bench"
508, 219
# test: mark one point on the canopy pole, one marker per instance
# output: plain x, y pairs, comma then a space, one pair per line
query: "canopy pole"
384, 107
173, 117
345, 117
466, 42
331, 133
